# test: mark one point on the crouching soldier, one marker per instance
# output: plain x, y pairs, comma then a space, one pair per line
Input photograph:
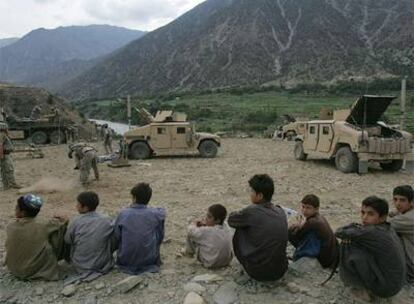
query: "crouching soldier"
6, 161
85, 159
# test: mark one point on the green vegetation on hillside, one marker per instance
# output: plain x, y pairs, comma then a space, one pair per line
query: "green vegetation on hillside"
237, 112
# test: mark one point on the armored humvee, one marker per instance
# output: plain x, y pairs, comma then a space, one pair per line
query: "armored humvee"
356, 136
169, 133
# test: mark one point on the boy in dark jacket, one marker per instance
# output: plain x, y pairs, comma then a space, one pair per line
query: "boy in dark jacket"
372, 257
314, 228
261, 235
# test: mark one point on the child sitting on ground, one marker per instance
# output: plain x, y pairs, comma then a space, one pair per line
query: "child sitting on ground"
261, 236
139, 231
34, 246
90, 236
210, 240
371, 256
403, 223
312, 236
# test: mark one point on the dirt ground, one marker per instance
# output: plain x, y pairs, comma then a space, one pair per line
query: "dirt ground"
186, 187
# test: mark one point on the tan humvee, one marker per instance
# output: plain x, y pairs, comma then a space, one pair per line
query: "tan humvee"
356, 136
169, 133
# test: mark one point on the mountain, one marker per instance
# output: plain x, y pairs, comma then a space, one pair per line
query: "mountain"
223, 43
49, 57
6, 41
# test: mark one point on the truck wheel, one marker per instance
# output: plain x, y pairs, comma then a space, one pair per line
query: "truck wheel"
299, 152
57, 137
208, 149
393, 166
346, 161
139, 150
39, 138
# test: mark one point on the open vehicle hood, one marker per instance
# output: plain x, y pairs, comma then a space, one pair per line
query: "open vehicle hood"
374, 106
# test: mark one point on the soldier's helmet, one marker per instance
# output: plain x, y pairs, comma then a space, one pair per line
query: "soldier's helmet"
75, 146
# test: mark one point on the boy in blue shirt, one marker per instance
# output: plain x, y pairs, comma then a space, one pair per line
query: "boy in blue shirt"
139, 231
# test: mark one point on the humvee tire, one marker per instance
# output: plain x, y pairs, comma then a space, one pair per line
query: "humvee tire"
346, 161
208, 149
57, 137
298, 151
39, 138
392, 166
139, 150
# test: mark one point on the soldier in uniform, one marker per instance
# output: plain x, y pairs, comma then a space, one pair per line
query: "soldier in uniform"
6, 161
107, 139
36, 111
85, 159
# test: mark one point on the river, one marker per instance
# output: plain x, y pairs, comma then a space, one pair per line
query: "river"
119, 128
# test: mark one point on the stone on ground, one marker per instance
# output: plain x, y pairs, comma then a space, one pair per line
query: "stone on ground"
127, 284
191, 286
193, 298
226, 294
69, 290
306, 265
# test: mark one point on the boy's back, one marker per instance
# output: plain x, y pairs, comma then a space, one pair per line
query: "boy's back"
30, 248
214, 245
372, 256
139, 231
90, 236
260, 240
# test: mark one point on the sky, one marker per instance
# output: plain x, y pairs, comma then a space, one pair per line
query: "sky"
18, 17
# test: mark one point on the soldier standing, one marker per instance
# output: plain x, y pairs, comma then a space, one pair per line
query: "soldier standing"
85, 159
6, 161
36, 111
107, 139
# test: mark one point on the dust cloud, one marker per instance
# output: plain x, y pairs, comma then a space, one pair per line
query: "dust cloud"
49, 185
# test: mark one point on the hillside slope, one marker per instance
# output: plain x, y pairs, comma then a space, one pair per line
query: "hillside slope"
239, 42
49, 57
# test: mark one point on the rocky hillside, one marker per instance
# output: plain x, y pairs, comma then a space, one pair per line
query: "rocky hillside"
50, 57
240, 42
7, 41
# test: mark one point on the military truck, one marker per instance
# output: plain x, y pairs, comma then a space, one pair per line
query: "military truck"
44, 130
356, 136
169, 133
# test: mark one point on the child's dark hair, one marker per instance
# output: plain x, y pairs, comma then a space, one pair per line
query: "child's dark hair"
142, 193
378, 204
218, 212
88, 199
28, 212
311, 200
406, 191
263, 183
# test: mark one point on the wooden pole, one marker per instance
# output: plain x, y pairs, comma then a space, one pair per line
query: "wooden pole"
403, 101
129, 111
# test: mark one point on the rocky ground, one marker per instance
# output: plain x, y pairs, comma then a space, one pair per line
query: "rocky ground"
186, 187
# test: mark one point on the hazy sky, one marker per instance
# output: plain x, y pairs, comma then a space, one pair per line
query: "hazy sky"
18, 17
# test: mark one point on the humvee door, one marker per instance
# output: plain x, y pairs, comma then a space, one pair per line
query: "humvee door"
311, 138
325, 137
181, 136
161, 137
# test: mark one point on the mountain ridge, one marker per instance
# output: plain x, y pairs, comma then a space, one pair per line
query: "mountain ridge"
42, 54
